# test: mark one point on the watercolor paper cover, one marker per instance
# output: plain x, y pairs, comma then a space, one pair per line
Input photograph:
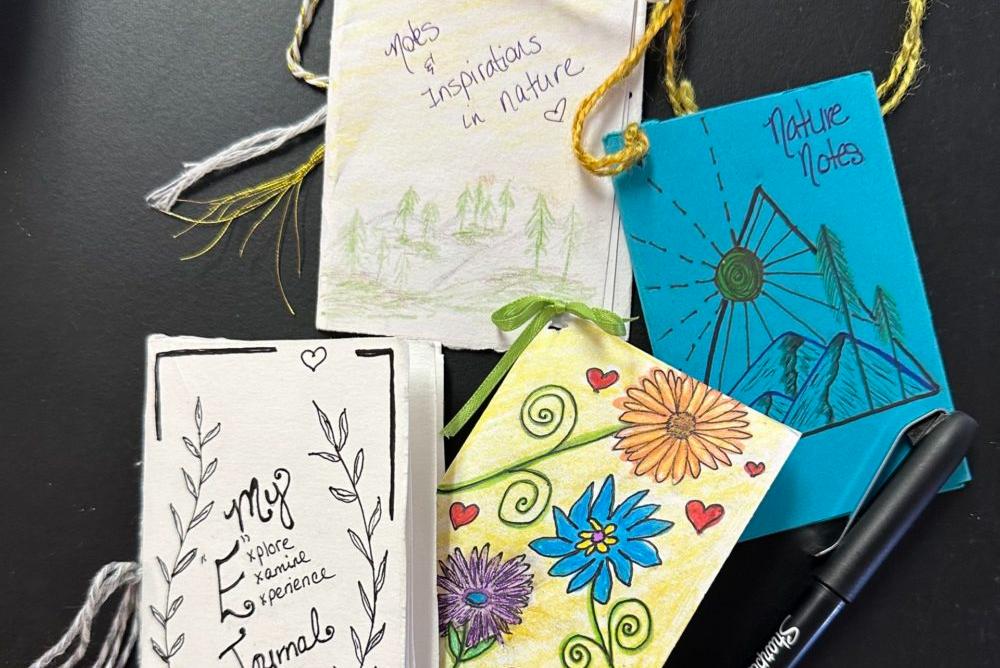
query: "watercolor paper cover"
774, 261
592, 505
450, 182
287, 503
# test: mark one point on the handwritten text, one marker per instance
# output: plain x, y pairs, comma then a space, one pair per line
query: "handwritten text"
405, 44
797, 131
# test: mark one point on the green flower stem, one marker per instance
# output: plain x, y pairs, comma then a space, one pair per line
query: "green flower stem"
596, 626
598, 636
458, 658
570, 444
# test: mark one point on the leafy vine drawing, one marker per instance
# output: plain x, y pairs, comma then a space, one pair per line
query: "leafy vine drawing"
549, 413
369, 522
182, 559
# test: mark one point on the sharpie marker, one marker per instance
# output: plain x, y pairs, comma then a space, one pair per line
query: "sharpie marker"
938, 450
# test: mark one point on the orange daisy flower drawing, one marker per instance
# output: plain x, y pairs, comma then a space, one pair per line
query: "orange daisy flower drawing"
678, 425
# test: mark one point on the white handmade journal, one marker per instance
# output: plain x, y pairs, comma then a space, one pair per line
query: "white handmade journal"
450, 184
287, 510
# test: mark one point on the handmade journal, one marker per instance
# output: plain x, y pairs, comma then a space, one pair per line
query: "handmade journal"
592, 506
287, 510
774, 261
450, 185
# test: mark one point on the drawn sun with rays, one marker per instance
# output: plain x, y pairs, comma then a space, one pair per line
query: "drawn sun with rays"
755, 284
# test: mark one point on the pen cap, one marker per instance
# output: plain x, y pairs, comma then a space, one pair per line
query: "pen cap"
915, 483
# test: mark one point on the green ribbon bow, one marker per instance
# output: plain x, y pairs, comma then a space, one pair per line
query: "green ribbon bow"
538, 312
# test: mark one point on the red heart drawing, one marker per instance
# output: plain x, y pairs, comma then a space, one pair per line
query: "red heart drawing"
701, 517
601, 380
754, 469
462, 514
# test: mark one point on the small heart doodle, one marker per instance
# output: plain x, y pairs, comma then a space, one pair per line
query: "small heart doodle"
702, 517
754, 469
600, 379
461, 514
557, 113
313, 358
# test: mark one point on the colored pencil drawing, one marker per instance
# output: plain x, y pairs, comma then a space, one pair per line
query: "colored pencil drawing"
783, 322
677, 425
426, 256
480, 600
783, 273
595, 542
593, 539
618, 556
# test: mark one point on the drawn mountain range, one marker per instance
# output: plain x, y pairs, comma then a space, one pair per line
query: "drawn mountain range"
425, 254
812, 387
781, 321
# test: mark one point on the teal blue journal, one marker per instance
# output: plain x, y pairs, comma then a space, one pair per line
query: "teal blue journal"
774, 261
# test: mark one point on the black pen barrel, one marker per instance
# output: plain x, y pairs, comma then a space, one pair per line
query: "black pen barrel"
871, 539
897, 506
800, 629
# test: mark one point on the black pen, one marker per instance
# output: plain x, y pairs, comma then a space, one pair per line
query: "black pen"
937, 452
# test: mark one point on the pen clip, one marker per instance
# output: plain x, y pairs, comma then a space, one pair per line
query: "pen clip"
870, 490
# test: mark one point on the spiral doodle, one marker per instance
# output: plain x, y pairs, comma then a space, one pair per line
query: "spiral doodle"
580, 652
526, 498
549, 411
630, 625
740, 275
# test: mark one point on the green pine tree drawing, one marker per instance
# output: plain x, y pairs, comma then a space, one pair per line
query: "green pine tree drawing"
463, 207
841, 292
429, 217
573, 226
381, 256
354, 242
890, 328
537, 228
404, 212
487, 212
506, 205
483, 206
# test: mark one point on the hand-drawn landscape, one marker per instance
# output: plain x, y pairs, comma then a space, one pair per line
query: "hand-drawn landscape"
427, 255
786, 324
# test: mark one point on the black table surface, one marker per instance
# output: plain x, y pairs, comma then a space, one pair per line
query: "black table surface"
101, 101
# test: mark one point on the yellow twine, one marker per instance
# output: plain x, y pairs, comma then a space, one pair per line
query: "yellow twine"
636, 143
223, 212
680, 91
906, 62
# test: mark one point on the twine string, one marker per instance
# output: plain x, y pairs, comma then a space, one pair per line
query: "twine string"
121, 635
118, 644
278, 195
293, 56
636, 143
906, 61
165, 197
680, 91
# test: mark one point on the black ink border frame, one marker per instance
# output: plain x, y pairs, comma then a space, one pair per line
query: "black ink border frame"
188, 353
391, 354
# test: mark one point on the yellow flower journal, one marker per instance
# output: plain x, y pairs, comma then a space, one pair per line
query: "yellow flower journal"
592, 506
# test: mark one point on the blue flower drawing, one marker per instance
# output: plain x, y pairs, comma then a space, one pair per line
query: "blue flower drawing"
597, 536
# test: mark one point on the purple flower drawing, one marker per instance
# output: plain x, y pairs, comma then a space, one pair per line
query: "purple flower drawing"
479, 599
